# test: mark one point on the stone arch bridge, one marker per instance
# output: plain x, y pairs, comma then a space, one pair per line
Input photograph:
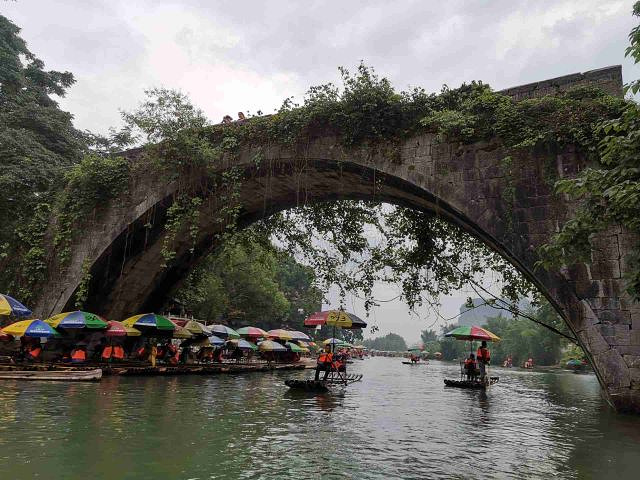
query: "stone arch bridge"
463, 183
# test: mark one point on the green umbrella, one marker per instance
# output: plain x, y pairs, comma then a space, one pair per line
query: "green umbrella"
295, 348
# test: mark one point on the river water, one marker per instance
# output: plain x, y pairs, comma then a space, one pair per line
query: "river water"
399, 422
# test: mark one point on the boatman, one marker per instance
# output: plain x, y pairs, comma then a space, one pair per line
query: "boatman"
325, 359
483, 357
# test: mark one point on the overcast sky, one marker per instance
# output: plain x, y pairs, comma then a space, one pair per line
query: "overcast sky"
231, 56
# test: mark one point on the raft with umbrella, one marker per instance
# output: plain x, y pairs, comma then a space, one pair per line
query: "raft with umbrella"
472, 333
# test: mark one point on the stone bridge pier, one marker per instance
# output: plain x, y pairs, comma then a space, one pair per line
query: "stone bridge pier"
510, 206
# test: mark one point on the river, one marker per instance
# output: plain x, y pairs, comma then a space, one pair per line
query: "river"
399, 422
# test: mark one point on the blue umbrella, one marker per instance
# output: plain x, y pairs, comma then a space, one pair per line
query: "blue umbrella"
215, 341
10, 306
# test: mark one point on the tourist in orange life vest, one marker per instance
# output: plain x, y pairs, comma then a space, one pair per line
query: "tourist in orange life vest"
78, 355
484, 357
34, 352
107, 352
325, 359
471, 367
118, 352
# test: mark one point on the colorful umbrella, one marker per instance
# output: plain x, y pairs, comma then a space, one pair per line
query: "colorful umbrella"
295, 348
335, 341
223, 331
31, 328
280, 334
271, 346
296, 335
76, 319
119, 329
216, 341
243, 344
335, 318
472, 333
252, 332
574, 363
10, 306
181, 333
149, 320
196, 328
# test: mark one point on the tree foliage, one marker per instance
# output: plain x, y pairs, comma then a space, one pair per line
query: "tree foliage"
37, 143
250, 282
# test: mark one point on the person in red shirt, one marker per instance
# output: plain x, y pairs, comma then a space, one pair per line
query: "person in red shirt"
484, 358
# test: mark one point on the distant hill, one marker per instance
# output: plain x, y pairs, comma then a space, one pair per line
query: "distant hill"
480, 314
391, 342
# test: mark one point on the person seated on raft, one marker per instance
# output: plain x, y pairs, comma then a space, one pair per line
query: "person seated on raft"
414, 358
471, 367
78, 355
34, 352
325, 360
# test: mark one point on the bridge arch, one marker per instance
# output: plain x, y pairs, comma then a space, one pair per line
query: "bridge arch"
510, 207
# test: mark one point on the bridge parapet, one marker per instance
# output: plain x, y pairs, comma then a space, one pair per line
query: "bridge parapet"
608, 79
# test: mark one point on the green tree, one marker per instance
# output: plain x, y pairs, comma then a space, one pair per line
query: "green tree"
521, 338
451, 348
37, 143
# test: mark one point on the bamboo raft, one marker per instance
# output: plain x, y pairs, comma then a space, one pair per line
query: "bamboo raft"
470, 383
66, 375
416, 363
322, 386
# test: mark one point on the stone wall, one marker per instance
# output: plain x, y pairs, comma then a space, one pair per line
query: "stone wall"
608, 78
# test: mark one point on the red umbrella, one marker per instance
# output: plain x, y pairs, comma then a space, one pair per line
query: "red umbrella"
119, 329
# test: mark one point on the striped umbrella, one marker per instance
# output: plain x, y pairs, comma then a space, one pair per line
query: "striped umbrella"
118, 329
10, 306
223, 331
472, 333
215, 340
149, 320
280, 334
243, 344
31, 328
271, 346
76, 319
296, 335
335, 318
295, 348
181, 333
252, 332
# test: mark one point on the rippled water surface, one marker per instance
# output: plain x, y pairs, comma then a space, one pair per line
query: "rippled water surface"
399, 422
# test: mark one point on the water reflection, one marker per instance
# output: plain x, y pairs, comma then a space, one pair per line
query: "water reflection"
399, 422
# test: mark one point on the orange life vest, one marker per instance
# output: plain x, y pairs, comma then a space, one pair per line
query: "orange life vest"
35, 352
78, 355
325, 358
483, 354
140, 352
470, 363
118, 352
106, 353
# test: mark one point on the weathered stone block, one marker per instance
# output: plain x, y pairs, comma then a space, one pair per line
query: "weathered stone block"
605, 269
613, 369
593, 340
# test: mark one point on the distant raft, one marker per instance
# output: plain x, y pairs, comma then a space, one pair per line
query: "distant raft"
470, 384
